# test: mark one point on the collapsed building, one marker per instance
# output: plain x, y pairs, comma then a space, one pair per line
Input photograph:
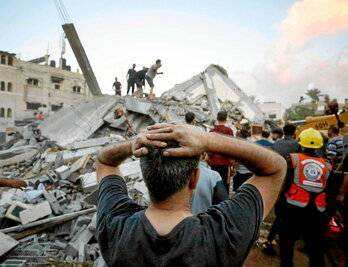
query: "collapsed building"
53, 220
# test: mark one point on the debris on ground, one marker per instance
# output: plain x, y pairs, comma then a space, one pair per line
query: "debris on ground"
52, 221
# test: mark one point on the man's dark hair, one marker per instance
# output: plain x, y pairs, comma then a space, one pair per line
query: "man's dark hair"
164, 176
278, 131
158, 61
334, 129
222, 115
244, 133
189, 117
265, 134
289, 129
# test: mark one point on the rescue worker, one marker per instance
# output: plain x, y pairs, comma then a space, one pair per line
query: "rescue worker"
304, 201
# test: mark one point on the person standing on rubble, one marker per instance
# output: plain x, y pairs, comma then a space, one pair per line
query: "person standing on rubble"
304, 201
151, 74
140, 81
220, 163
166, 233
117, 86
131, 79
16, 183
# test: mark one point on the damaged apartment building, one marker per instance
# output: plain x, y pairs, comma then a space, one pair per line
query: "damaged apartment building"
37, 85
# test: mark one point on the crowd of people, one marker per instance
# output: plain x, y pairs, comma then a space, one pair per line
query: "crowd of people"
194, 220
138, 78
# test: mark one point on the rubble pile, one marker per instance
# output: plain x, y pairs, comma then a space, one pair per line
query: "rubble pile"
53, 219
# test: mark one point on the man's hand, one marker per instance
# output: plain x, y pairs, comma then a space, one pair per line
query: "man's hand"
17, 183
139, 143
191, 140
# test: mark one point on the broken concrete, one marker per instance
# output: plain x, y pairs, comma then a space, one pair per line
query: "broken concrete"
16, 155
36, 212
80, 163
76, 122
65, 154
215, 87
7, 243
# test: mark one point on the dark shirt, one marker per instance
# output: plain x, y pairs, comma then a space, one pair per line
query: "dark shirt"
131, 74
222, 236
286, 146
216, 159
264, 142
345, 165
140, 75
117, 85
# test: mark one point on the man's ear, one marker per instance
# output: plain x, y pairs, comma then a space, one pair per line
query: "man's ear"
194, 179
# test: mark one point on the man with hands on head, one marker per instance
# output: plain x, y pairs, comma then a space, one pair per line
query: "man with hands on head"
166, 233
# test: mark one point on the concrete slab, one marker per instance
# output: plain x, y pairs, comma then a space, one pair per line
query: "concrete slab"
77, 122
16, 155
139, 106
70, 155
89, 182
36, 212
7, 243
130, 168
93, 142
80, 163
63, 171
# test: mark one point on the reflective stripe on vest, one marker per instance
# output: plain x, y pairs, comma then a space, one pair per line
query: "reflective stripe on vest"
310, 175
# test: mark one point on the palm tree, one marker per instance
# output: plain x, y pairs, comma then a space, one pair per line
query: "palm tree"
313, 94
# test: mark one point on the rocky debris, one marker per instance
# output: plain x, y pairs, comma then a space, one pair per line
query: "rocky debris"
53, 220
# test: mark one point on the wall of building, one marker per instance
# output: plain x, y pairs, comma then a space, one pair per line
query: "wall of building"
26, 88
272, 110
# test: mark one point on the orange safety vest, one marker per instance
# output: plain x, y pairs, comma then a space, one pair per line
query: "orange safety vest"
310, 175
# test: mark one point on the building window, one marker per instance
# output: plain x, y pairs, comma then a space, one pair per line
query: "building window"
33, 81
272, 116
2, 86
33, 106
9, 87
3, 59
10, 60
9, 113
76, 89
2, 112
56, 107
57, 81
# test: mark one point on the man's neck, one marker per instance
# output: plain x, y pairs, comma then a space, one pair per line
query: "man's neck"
221, 123
164, 216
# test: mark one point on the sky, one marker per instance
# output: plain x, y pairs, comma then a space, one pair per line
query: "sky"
274, 50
